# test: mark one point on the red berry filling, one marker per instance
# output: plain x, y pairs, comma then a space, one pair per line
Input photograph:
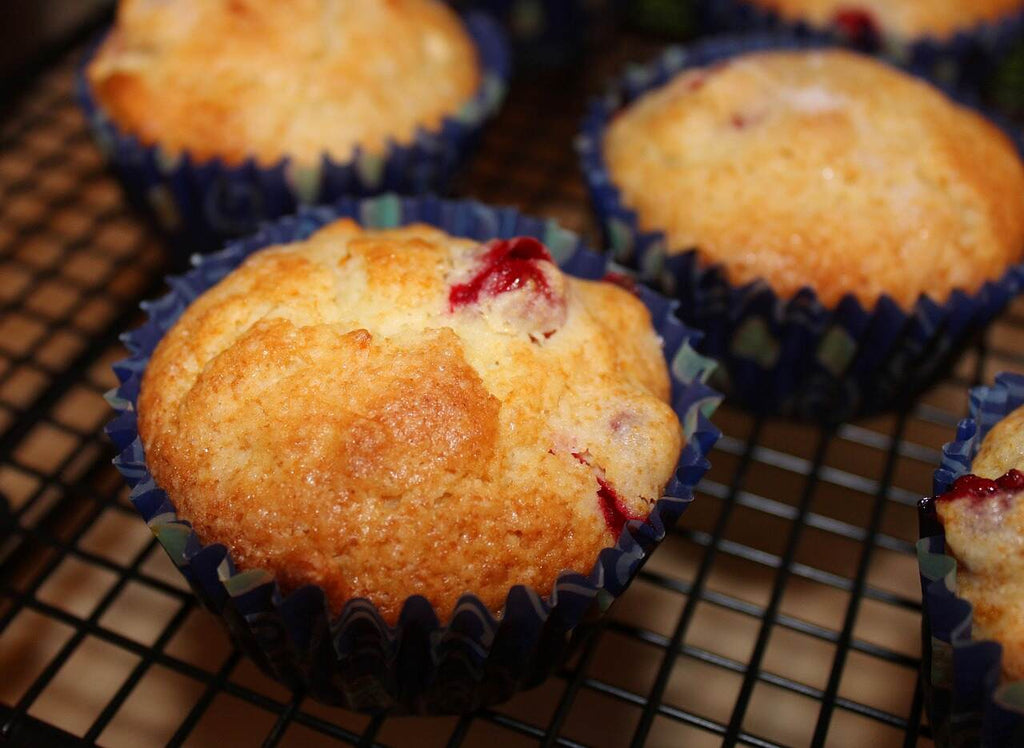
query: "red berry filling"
507, 265
857, 24
613, 508
977, 489
616, 513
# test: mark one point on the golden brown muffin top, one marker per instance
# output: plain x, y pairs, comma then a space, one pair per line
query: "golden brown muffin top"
983, 521
298, 78
394, 412
907, 19
1002, 448
824, 169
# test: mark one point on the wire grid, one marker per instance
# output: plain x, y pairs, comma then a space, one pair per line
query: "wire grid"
783, 611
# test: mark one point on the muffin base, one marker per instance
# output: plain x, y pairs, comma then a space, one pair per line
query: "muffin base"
421, 665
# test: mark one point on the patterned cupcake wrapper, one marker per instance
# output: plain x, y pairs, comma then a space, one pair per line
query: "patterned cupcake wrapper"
420, 665
964, 59
967, 705
791, 356
199, 204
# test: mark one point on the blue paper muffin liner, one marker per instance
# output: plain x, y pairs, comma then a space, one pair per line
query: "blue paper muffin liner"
793, 356
967, 704
421, 665
200, 204
963, 59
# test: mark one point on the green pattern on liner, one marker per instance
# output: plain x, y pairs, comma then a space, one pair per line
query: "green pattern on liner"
116, 402
370, 168
103, 138
173, 536
166, 161
689, 366
620, 236
304, 181
1011, 695
946, 71
604, 600
674, 58
246, 581
895, 49
470, 112
936, 565
653, 261
753, 341
527, 19
476, 109
561, 243
382, 212
675, 17
639, 76
720, 378
837, 350
161, 199
942, 663
939, 566
706, 406
1007, 84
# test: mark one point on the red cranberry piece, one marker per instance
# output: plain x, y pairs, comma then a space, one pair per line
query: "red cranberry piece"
613, 508
507, 265
616, 513
856, 24
977, 488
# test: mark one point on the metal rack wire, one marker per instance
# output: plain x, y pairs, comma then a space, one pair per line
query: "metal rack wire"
783, 611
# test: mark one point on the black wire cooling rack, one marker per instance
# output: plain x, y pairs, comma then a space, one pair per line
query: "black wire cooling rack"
784, 610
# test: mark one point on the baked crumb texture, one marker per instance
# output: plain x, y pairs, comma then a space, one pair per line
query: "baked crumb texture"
397, 412
907, 19
231, 79
983, 519
822, 168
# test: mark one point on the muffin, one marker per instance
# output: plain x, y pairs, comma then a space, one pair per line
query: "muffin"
394, 412
822, 169
457, 403
219, 114
300, 79
969, 554
983, 521
905, 19
834, 225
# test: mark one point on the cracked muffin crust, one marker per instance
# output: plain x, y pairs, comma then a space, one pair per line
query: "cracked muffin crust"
825, 169
396, 412
906, 19
983, 521
296, 78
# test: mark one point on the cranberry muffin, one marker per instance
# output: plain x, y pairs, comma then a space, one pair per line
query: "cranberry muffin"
983, 520
395, 412
825, 169
232, 79
904, 19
